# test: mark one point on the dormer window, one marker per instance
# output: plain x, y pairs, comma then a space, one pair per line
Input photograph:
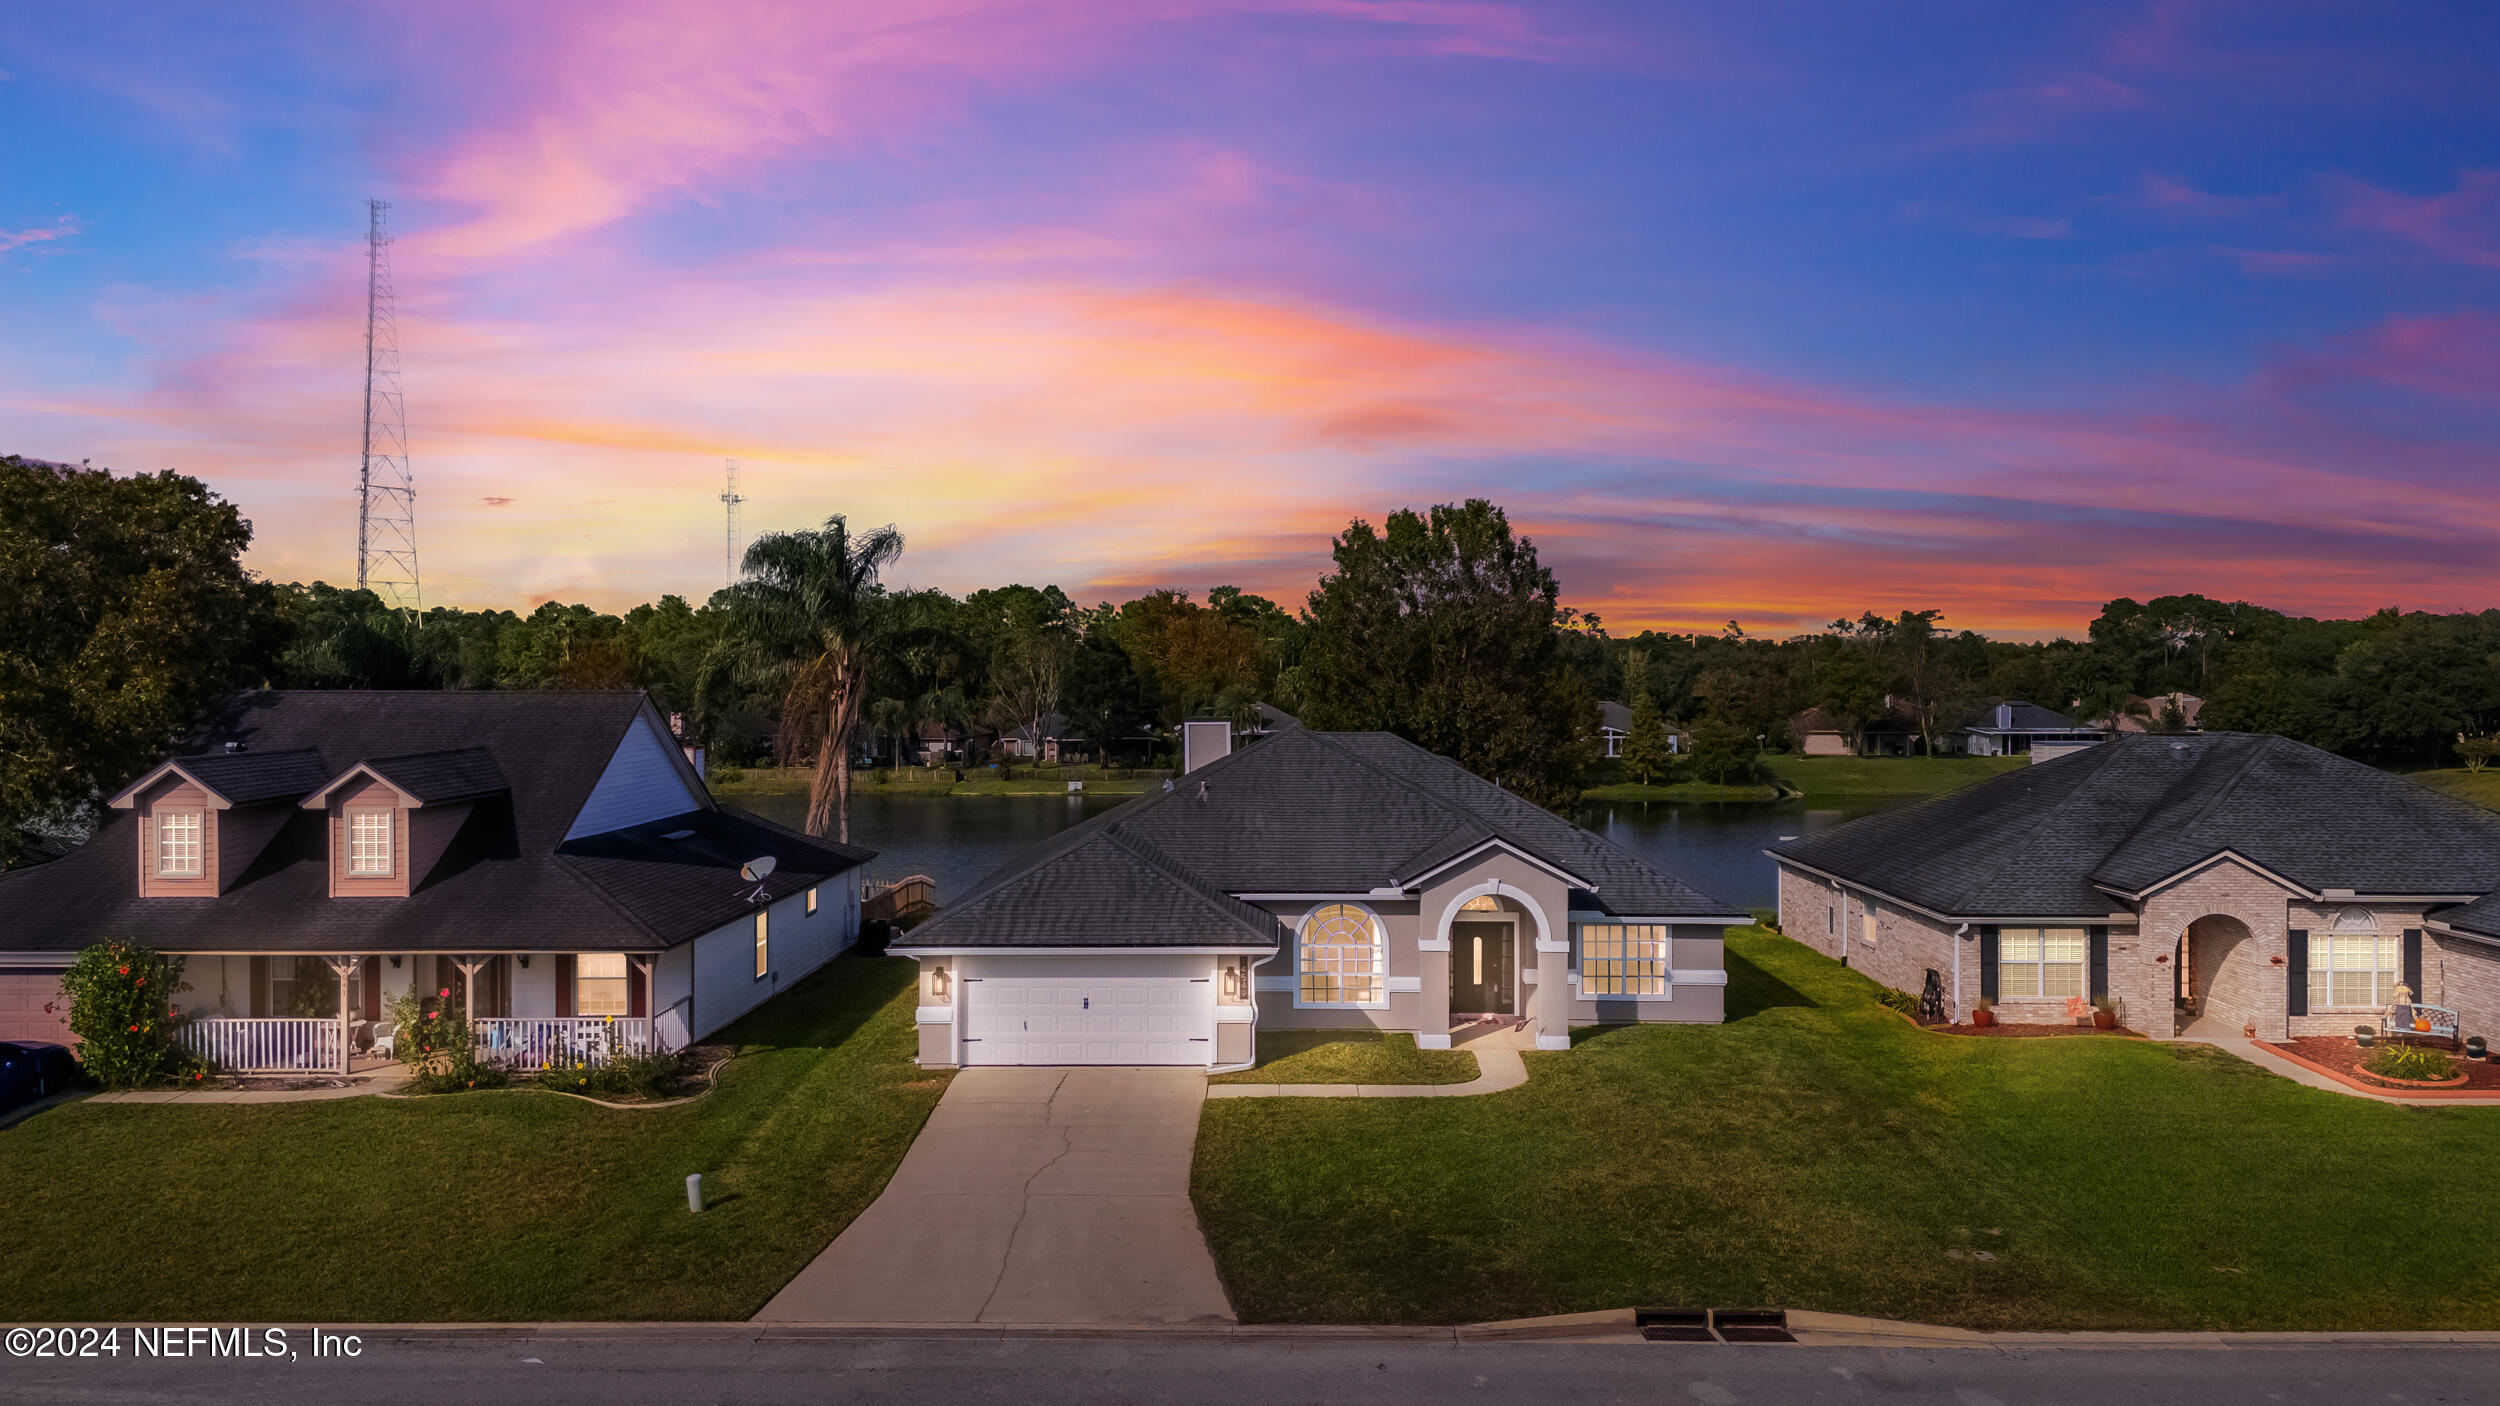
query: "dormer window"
369, 844
179, 846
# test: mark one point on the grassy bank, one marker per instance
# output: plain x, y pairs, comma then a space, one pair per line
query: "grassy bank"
1022, 779
2480, 787
475, 1206
1817, 777
1817, 1151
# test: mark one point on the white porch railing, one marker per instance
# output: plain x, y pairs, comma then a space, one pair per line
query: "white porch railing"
534, 1042
311, 1045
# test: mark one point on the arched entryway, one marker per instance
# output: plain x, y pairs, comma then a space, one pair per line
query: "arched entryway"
2222, 974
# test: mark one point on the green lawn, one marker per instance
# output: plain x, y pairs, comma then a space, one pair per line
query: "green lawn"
1817, 1152
1886, 776
2480, 787
1349, 1057
475, 1206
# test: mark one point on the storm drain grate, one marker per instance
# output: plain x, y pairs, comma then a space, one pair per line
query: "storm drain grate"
1752, 1325
1674, 1325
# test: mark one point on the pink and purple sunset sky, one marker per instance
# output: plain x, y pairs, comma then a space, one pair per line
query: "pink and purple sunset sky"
1766, 312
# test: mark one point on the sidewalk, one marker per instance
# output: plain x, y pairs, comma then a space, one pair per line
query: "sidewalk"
1498, 1067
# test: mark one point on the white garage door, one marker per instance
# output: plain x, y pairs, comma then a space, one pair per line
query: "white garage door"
1078, 1020
23, 996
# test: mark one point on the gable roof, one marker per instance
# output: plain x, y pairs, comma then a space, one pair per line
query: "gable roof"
1302, 812
500, 885
427, 778
1614, 717
2064, 838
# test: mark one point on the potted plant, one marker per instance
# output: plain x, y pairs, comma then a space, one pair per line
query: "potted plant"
2364, 1036
1984, 1014
2104, 1013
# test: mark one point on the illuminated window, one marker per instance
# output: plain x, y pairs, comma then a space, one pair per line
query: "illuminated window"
1481, 903
2040, 962
179, 844
2354, 965
368, 842
599, 984
811, 903
763, 946
1866, 926
1341, 957
1623, 960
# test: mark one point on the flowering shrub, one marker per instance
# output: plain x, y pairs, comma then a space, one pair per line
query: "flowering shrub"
654, 1075
437, 1041
122, 1009
2409, 1062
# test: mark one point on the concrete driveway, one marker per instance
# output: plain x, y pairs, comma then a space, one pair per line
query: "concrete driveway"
1033, 1196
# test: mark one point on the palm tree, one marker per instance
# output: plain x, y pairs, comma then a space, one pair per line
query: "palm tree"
809, 616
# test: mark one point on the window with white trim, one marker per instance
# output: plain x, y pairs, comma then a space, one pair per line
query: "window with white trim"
1866, 925
599, 984
368, 842
2041, 961
2354, 964
763, 944
180, 843
1342, 957
1623, 959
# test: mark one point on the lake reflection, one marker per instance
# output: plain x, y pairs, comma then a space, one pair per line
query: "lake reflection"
957, 840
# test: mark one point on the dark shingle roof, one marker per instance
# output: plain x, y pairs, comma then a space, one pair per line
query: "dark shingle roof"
691, 884
251, 778
1301, 812
2053, 838
2020, 717
502, 885
437, 778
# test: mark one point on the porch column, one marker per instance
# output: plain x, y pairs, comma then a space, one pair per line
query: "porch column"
468, 983
647, 969
345, 966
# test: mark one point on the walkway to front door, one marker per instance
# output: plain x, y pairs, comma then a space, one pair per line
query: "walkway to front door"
1033, 1196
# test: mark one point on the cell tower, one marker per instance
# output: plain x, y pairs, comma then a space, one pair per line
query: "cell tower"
730, 498
386, 497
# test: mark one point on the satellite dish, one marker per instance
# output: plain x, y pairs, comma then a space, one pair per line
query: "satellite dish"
756, 870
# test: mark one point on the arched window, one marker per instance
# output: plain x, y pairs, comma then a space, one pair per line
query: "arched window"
1342, 957
1481, 903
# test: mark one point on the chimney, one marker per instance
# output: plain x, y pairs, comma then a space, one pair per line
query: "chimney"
1204, 740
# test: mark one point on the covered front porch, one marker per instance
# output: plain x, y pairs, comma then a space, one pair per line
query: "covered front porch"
339, 1013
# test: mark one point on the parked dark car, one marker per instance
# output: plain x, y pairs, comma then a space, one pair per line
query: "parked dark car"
30, 1070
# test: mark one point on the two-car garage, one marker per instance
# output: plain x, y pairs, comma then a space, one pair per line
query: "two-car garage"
1062, 1017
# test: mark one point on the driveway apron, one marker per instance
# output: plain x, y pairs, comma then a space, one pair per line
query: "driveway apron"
1032, 1196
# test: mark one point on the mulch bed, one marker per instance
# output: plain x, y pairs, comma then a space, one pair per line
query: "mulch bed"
2339, 1056
2003, 1030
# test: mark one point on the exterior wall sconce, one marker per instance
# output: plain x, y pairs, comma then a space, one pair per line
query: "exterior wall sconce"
939, 982
1232, 982
394, 962
524, 960
2277, 959
2162, 961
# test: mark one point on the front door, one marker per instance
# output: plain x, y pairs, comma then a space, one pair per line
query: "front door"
1480, 969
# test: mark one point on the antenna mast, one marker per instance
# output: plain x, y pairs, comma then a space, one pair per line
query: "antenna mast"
730, 497
386, 497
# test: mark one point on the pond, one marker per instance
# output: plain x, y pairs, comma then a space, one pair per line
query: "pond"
957, 840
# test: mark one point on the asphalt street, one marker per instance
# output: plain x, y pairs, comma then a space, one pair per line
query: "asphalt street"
662, 1371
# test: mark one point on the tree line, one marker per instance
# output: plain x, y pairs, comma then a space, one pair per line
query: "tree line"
125, 612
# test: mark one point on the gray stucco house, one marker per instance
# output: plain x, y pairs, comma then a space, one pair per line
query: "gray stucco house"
1310, 880
2252, 880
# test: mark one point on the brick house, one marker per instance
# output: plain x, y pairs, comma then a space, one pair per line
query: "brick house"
2240, 879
